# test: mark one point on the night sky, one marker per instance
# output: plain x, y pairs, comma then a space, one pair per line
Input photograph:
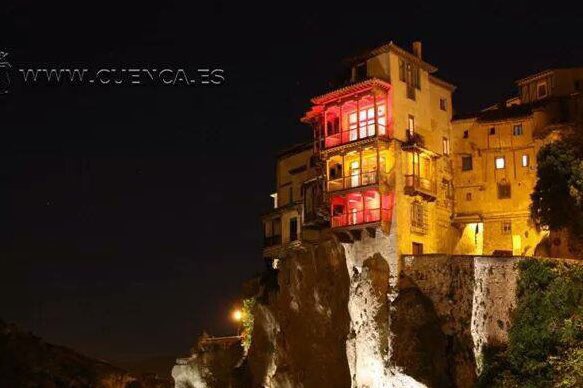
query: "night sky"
129, 215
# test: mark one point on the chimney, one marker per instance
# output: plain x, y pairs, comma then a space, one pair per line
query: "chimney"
417, 49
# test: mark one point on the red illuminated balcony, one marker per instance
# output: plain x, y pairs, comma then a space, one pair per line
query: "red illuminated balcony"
357, 112
360, 208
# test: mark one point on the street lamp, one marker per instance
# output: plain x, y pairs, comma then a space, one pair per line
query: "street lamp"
237, 316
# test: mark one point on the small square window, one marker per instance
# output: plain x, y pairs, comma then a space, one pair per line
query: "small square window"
500, 162
442, 104
466, 134
468, 196
467, 163
506, 227
503, 191
525, 160
492, 130
517, 130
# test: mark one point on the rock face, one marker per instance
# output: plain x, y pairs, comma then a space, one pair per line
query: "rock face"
215, 363
300, 333
356, 315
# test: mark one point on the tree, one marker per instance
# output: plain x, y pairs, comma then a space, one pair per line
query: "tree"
557, 199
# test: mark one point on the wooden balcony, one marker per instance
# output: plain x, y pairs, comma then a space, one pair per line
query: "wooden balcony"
416, 185
352, 181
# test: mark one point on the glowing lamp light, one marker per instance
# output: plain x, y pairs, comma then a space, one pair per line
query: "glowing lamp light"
237, 315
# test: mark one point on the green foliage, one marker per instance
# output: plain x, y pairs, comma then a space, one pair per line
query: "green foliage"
247, 322
545, 345
557, 199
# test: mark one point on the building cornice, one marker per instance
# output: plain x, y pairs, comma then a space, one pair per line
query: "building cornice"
350, 90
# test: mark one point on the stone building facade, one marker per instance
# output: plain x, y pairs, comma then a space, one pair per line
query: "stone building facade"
387, 150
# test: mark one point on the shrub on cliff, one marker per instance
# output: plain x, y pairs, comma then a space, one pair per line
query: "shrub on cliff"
557, 198
545, 346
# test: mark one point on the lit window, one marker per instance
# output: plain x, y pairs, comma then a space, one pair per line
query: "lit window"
500, 162
541, 90
466, 134
506, 227
411, 123
442, 104
445, 141
525, 160
466, 163
493, 131
517, 130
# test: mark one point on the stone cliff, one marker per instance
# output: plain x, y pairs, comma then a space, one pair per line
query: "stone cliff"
356, 315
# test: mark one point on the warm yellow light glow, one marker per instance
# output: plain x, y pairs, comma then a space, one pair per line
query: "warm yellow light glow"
237, 315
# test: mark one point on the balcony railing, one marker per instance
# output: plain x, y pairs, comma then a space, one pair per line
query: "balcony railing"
270, 241
354, 180
415, 184
355, 134
360, 217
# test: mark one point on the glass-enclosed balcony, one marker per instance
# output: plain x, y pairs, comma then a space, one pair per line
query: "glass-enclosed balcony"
359, 111
358, 168
360, 208
420, 175
355, 120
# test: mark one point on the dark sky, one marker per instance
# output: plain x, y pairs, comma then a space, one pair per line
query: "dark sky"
129, 216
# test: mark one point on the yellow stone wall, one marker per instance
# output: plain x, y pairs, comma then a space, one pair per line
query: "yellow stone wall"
287, 180
476, 191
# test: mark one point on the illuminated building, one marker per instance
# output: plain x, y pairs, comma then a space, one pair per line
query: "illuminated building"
495, 160
388, 156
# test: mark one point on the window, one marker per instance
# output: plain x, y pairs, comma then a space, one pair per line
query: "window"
445, 142
467, 163
468, 196
402, 70
411, 124
417, 248
506, 227
293, 229
541, 90
517, 130
503, 190
525, 160
409, 73
493, 131
447, 188
417, 215
500, 162
442, 104
466, 133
